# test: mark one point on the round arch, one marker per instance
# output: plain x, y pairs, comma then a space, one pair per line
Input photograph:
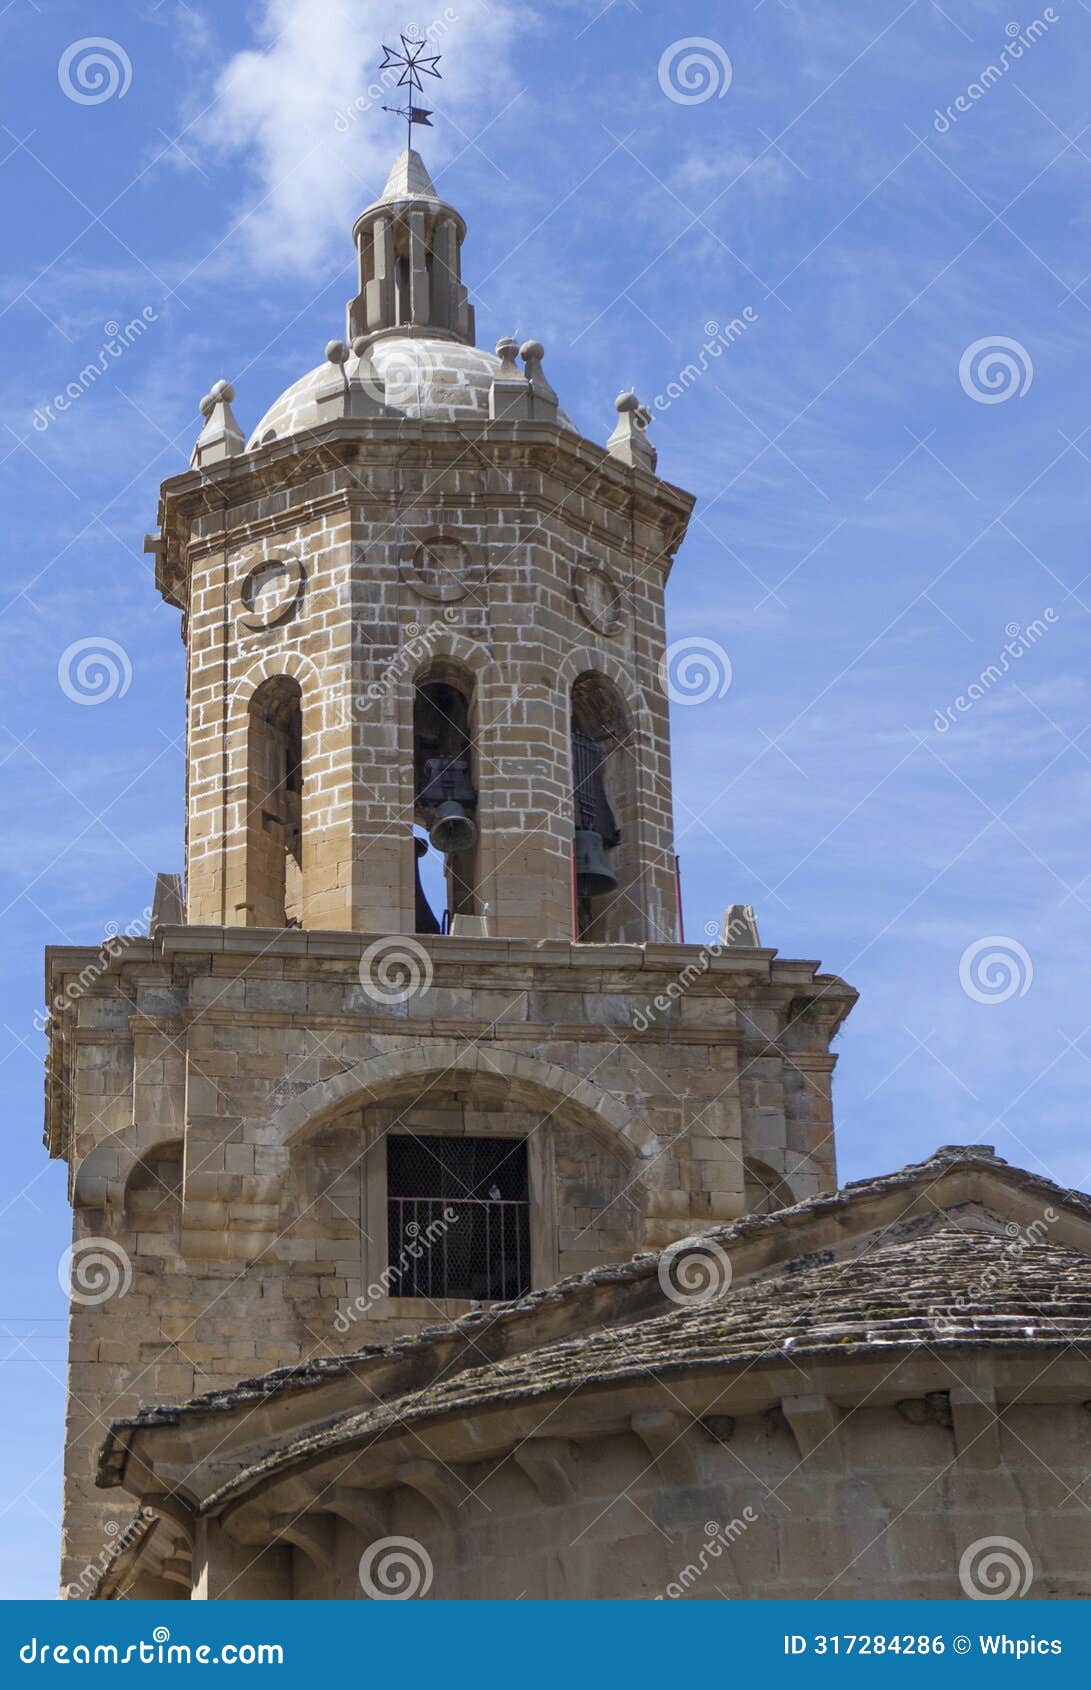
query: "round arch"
272, 664
102, 1178
585, 660
384, 1079
629, 914
765, 1191
436, 645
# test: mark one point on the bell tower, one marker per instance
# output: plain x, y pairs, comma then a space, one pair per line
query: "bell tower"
315, 1108
443, 610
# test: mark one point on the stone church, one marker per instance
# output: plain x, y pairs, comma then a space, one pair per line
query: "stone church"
515, 1215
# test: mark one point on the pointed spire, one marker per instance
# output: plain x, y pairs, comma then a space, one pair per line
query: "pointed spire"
409, 179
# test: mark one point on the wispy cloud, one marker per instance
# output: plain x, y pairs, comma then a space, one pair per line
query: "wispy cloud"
303, 112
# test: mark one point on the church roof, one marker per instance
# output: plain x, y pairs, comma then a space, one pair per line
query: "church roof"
951, 1290
411, 329
923, 1256
426, 379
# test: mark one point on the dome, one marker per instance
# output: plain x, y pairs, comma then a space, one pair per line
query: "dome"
428, 379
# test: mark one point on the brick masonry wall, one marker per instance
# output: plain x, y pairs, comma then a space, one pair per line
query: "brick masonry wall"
546, 572
271, 1076
222, 1093
751, 1522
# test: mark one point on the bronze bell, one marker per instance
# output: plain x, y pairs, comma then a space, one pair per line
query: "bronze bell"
594, 876
453, 830
449, 796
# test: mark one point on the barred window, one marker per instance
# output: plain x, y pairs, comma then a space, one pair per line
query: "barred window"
458, 1217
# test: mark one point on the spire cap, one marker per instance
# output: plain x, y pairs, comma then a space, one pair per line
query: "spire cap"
409, 179
408, 184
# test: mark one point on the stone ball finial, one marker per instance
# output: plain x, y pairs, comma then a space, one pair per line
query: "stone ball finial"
532, 350
626, 402
336, 351
207, 406
506, 348
221, 390
359, 345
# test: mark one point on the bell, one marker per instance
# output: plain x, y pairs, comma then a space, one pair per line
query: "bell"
594, 876
453, 830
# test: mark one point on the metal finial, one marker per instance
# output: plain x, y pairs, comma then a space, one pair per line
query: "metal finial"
413, 61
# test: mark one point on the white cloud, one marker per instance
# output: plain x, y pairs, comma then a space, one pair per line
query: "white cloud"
303, 110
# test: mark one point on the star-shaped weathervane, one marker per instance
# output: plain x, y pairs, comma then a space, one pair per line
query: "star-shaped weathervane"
412, 60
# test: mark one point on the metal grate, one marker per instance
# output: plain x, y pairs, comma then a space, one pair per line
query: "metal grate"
592, 805
458, 1217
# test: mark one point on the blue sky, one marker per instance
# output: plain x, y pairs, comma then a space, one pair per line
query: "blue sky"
870, 532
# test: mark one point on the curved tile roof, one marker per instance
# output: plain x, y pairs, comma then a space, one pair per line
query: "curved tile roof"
631, 1278
951, 1289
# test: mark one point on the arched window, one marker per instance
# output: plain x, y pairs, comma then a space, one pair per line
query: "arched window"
764, 1191
607, 860
444, 782
274, 805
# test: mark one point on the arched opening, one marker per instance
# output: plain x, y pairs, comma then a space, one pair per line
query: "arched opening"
401, 288
445, 789
764, 1191
604, 793
274, 805
470, 1185
153, 1193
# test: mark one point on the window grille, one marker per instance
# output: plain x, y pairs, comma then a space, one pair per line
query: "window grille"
482, 1252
